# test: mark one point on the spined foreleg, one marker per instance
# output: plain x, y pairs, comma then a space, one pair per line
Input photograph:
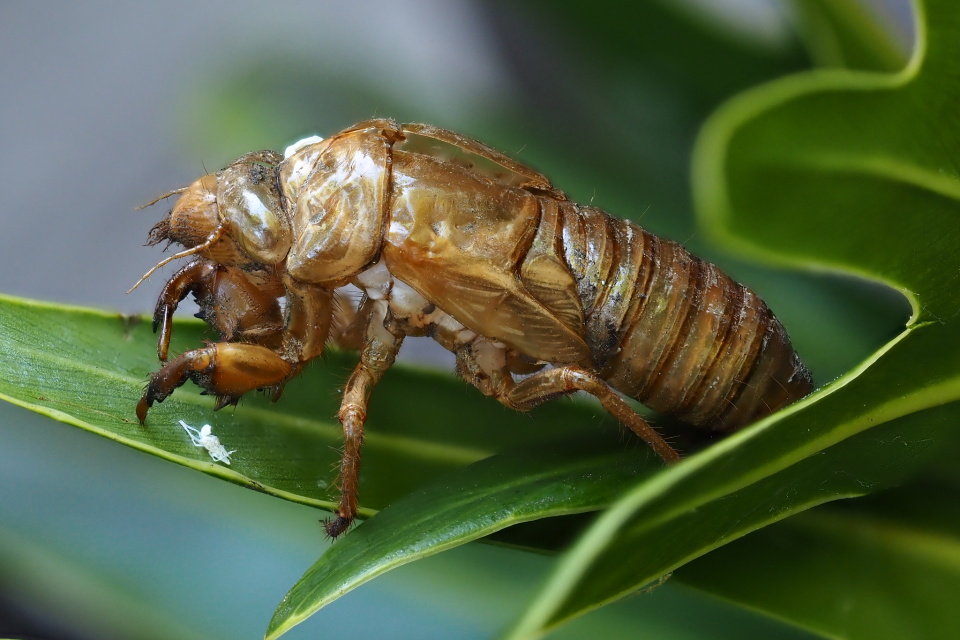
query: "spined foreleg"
184, 281
225, 369
228, 301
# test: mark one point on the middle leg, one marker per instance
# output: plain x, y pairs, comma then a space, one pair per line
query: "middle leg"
382, 341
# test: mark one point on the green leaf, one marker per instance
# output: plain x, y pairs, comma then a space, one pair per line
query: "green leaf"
883, 568
483, 498
852, 172
848, 34
89, 368
846, 171
722, 494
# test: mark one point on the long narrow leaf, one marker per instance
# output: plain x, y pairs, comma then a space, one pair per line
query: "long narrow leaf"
88, 368
483, 498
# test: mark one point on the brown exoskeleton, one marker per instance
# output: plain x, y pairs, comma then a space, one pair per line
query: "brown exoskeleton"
450, 239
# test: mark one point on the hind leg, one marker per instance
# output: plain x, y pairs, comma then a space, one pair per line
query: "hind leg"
473, 365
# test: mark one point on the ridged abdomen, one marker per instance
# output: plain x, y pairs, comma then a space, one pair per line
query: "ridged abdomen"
674, 331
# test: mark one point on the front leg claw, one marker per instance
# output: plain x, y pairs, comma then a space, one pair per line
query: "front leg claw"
192, 364
197, 277
225, 369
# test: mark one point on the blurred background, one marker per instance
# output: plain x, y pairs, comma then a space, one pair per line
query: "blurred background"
106, 105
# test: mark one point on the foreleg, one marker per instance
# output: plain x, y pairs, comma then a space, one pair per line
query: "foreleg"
381, 342
228, 301
177, 288
225, 369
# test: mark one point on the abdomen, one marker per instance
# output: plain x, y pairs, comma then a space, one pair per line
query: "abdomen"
673, 331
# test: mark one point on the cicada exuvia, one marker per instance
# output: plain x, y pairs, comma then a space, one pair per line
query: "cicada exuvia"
450, 239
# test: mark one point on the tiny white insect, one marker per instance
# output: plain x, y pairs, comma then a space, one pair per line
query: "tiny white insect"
203, 437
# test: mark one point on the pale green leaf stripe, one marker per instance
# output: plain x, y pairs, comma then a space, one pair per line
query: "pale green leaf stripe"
400, 445
924, 545
852, 557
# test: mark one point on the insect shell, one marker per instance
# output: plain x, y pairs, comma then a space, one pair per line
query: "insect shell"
450, 239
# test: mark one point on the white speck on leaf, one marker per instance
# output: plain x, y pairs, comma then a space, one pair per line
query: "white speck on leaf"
203, 437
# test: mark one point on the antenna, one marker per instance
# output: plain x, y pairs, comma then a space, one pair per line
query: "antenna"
209, 242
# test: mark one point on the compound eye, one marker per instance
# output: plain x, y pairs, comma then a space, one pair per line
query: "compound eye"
250, 205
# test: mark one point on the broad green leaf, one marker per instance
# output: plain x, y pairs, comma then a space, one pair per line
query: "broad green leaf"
483, 498
848, 34
853, 172
883, 568
88, 368
722, 494
846, 171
